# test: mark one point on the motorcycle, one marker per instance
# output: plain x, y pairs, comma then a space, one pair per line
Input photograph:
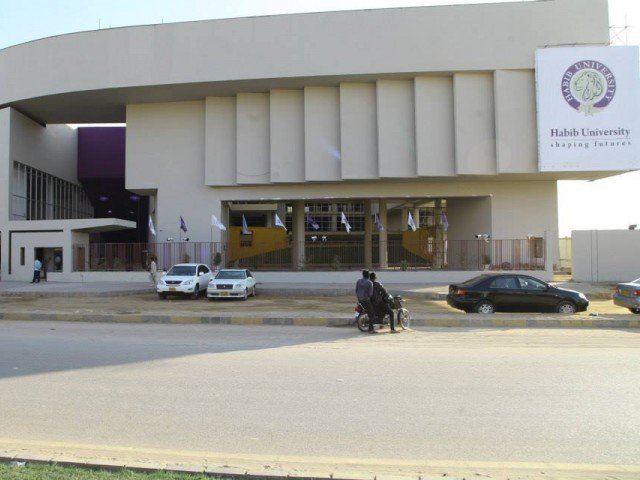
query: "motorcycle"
403, 318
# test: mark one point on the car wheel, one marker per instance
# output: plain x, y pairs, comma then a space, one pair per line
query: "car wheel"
485, 307
253, 291
246, 294
634, 310
566, 306
196, 292
163, 296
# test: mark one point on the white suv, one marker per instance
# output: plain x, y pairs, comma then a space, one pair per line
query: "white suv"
186, 279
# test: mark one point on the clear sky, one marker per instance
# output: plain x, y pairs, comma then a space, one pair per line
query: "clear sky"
602, 204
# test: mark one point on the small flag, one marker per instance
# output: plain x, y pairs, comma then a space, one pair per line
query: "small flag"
313, 223
378, 223
445, 222
245, 228
411, 223
279, 222
151, 227
183, 226
345, 222
217, 223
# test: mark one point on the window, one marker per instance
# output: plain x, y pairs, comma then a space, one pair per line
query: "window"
22, 256
528, 283
504, 282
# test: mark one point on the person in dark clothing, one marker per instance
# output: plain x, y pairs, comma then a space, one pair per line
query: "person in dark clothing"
364, 292
380, 301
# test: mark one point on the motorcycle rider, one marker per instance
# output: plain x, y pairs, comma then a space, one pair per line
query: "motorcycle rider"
364, 292
380, 302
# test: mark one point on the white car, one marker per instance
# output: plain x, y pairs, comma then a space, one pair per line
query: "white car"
232, 282
186, 279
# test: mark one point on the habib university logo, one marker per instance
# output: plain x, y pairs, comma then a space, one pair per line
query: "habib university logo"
588, 86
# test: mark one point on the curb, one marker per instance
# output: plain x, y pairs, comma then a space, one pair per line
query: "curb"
454, 321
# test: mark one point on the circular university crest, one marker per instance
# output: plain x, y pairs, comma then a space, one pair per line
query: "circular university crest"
588, 86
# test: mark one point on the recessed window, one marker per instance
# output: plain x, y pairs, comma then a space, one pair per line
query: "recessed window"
22, 256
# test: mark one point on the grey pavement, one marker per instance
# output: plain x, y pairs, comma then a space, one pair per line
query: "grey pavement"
442, 395
72, 289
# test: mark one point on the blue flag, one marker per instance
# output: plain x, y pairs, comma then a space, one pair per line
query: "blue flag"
313, 223
183, 226
245, 227
445, 222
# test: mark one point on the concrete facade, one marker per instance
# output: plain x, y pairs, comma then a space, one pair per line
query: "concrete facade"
605, 255
359, 105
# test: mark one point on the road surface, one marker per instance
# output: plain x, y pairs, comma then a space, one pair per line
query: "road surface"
441, 395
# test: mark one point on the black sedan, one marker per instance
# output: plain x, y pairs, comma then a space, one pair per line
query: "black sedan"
513, 293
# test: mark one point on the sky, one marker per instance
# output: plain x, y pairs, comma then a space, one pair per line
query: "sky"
602, 204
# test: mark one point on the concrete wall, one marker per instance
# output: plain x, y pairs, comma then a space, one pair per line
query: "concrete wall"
605, 255
52, 149
166, 154
436, 126
487, 37
516, 128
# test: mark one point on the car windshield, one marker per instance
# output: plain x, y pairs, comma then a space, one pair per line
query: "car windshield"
230, 275
182, 271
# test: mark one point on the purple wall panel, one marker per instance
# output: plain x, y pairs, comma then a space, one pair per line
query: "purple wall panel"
101, 152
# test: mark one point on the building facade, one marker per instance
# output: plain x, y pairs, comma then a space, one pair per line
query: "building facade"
373, 115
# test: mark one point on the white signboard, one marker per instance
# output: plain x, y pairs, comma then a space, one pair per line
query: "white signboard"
588, 108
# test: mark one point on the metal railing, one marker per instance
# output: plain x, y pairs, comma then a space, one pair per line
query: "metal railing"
510, 254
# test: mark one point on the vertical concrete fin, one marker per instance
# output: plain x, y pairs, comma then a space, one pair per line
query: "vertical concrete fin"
358, 131
396, 128
253, 139
435, 139
323, 157
474, 124
287, 136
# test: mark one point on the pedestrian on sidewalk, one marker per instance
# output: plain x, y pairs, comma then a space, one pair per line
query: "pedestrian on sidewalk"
37, 266
153, 269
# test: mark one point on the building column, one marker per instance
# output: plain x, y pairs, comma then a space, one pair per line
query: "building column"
368, 235
221, 237
415, 213
382, 235
298, 255
438, 260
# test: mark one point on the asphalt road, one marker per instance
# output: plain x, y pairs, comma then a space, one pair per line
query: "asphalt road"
496, 395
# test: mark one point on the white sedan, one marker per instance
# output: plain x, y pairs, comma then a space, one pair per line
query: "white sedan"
232, 282
184, 278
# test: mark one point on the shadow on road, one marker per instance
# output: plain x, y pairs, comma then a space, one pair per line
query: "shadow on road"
29, 348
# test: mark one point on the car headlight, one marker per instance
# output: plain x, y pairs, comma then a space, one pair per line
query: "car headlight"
238, 285
187, 282
161, 283
582, 296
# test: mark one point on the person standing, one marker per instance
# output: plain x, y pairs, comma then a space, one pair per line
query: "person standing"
364, 292
380, 300
153, 269
37, 266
